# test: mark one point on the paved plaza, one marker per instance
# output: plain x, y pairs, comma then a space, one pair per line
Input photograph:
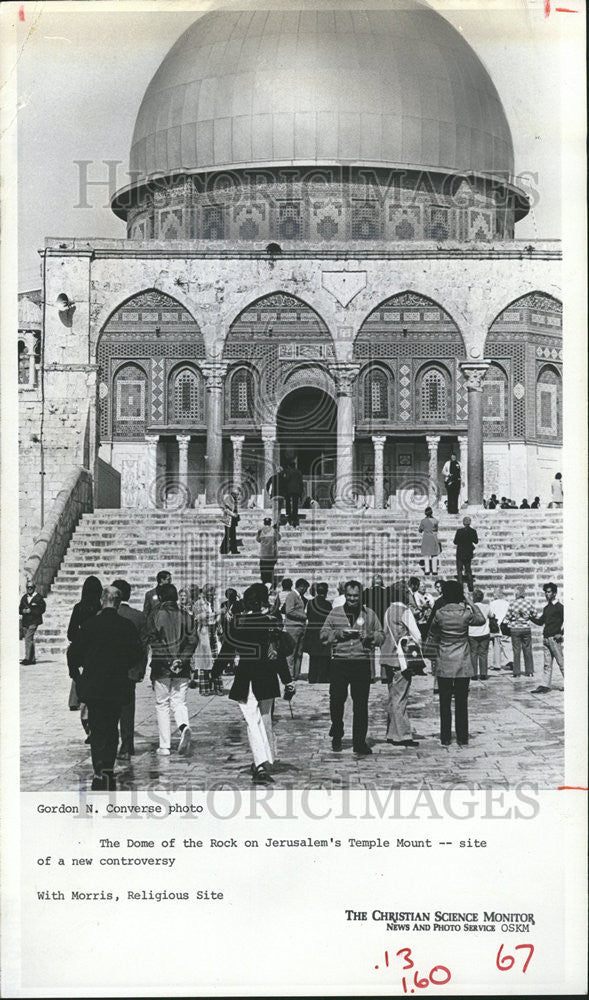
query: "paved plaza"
515, 736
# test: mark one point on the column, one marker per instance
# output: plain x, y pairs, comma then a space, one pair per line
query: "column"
463, 445
237, 442
183, 442
379, 443
269, 439
29, 338
474, 372
214, 375
433, 441
344, 376
151, 479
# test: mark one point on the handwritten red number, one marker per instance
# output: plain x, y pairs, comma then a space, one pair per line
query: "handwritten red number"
440, 982
503, 964
420, 983
406, 952
404, 981
529, 958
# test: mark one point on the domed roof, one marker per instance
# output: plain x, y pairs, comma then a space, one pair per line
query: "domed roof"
396, 87
29, 315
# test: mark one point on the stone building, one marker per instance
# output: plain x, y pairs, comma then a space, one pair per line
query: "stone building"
320, 263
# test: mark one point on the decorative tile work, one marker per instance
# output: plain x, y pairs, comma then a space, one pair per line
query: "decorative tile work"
157, 390
404, 392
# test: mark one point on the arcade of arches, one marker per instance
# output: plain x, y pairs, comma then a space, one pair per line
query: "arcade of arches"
181, 429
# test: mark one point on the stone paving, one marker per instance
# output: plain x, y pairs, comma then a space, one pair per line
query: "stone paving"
515, 736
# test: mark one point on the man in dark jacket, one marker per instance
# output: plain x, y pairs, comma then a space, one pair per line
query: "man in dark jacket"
136, 673
172, 635
294, 488
153, 597
376, 597
465, 540
105, 648
31, 610
552, 618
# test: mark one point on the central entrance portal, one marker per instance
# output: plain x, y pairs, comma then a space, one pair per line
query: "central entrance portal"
306, 426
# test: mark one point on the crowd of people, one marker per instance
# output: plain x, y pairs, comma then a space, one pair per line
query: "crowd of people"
258, 640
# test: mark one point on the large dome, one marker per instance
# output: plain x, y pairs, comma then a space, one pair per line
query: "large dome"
396, 87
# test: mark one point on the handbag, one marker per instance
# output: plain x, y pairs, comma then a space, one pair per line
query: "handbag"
410, 657
505, 629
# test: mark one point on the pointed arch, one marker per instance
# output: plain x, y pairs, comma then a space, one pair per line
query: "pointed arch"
398, 324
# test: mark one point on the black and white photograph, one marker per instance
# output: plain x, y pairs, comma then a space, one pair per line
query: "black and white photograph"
294, 347
320, 345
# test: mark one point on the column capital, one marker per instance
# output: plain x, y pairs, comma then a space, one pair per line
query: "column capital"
268, 432
183, 439
474, 372
238, 439
462, 439
345, 373
213, 374
152, 438
379, 440
433, 440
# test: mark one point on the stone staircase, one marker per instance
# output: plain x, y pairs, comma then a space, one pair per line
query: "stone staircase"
515, 547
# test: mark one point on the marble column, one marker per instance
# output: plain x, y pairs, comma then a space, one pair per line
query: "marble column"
433, 441
474, 372
183, 442
30, 340
214, 375
269, 439
463, 445
379, 443
345, 374
237, 442
151, 479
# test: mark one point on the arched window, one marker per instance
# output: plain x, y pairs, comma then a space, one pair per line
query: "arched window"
376, 395
129, 402
433, 395
23, 363
184, 397
242, 394
549, 404
495, 403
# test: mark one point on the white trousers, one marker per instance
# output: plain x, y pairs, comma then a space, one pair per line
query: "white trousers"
258, 717
170, 695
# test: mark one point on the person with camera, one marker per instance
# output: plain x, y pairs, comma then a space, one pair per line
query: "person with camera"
453, 660
261, 649
172, 635
400, 650
352, 631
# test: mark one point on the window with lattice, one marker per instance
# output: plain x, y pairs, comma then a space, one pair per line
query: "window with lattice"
434, 396
495, 417
241, 394
184, 400
376, 403
549, 404
129, 401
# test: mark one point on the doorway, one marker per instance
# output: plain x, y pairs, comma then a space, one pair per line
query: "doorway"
306, 429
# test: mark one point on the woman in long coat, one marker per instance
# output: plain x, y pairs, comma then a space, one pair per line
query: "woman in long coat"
318, 609
256, 638
430, 546
87, 607
453, 661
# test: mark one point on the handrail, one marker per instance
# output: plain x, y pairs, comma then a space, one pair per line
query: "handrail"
74, 499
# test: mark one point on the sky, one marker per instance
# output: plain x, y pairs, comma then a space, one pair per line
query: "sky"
82, 70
